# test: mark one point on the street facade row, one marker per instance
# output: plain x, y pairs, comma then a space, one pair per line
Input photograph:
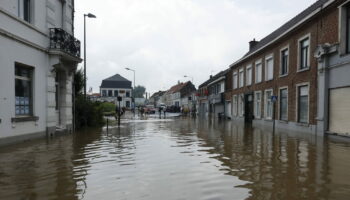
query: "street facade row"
297, 76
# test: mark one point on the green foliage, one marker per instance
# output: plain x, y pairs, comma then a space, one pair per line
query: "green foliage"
87, 113
107, 107
139, 91
78, 82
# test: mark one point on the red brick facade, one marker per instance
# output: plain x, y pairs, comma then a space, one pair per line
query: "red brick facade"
322, 28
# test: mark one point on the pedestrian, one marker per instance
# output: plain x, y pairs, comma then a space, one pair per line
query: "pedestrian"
160, 111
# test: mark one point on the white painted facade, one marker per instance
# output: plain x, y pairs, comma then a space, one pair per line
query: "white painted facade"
121, 92
25, 42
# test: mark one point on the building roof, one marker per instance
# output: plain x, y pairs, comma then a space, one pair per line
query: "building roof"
213, 78
176, 88
116, 81
290, 25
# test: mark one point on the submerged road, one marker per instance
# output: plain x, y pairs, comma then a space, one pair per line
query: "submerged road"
177, 159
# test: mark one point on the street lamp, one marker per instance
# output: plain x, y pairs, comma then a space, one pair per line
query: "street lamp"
89, 15
189, 77
133, 94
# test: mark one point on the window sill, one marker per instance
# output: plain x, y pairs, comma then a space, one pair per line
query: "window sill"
302, 124
283, 121
24, 119
283, 75
302, 70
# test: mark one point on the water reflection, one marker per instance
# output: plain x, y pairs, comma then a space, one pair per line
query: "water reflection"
180, 159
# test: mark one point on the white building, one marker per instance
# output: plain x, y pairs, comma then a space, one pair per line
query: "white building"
38, 57
115, 86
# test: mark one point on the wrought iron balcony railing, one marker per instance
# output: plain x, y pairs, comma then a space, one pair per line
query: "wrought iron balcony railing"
61, 40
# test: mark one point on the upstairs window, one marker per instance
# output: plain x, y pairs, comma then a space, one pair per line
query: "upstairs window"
23, 90
127, 94
269, 68
234, 80
258, 72
241, 78
249, 75
284, 62
304, 53
24, 10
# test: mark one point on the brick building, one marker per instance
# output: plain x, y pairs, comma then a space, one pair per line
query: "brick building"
283, 64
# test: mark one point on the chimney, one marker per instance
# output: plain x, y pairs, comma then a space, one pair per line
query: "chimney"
252, 44
211, 76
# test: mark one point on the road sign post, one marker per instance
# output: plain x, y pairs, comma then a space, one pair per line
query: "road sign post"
119, 100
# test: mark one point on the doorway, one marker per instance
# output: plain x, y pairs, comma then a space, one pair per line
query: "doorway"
249, 109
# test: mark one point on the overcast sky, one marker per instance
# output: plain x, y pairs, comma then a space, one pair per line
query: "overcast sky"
163, 40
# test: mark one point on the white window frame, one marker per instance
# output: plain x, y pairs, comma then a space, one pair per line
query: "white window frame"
234, 105
265, 104
279, 102
255, 103
249, 75
241, 105
258, 62
20, 10
281, 61
309, 53
297, 102
235, 80
267, 58
241, 78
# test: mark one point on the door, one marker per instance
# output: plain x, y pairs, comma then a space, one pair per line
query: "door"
249, 109
339, 111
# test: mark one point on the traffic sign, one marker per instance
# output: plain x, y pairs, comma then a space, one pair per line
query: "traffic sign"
274, 98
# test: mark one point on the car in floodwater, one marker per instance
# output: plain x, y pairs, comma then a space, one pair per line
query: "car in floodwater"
149, 109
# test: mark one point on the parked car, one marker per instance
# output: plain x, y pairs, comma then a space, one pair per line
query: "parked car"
149, 109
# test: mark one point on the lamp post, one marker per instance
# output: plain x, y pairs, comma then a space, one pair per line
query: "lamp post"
133, 94
89, 15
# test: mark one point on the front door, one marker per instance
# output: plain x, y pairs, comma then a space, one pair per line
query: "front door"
249, 109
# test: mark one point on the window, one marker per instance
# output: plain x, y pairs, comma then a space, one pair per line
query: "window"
110, 93
115, 93
23, 90
283, 104
258, 70
127, 94
235, 105
257, 101
241, 105
284, 62
268, 104
127, 104
24, 10
104, 93
304, 47
303, 103
269, 68
241, 78
57, 90
234, 80
249, 75
348, 28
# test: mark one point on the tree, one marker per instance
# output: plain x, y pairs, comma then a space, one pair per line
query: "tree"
139, 91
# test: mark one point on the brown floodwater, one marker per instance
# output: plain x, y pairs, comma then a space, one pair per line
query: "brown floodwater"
181, 159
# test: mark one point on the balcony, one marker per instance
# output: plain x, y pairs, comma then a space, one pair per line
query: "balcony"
63, 41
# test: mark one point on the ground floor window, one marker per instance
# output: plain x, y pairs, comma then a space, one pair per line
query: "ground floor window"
284, 104
128, 104
115, 93
110, 93
234, 105
268, 104
23, 90
104, 93
241, 105
257, 105
303, 103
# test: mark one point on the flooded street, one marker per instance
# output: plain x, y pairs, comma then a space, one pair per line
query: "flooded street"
177, 160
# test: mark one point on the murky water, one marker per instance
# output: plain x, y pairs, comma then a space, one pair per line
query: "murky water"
181, 159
